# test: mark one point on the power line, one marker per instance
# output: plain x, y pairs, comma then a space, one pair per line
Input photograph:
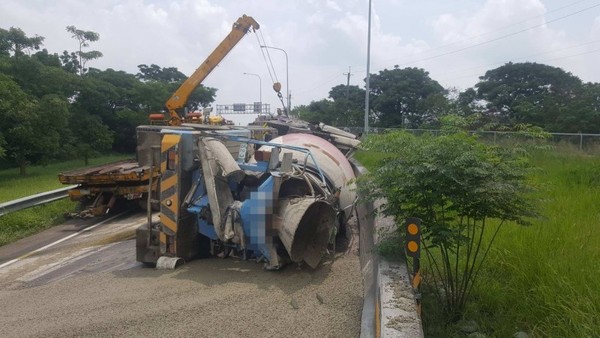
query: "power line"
523, 57
500, 37
320, 84
469, 38
483, 42
543, 60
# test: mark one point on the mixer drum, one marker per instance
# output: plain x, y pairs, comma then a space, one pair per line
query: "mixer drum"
304, 226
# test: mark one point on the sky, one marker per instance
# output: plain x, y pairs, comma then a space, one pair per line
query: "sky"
455, 41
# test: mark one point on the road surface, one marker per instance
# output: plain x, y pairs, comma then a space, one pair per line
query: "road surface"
90, 285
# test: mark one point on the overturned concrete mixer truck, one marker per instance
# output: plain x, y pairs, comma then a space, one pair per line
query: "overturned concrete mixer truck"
223, 193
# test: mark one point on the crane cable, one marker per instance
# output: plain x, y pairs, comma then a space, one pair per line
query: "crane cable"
269, 63
270, 68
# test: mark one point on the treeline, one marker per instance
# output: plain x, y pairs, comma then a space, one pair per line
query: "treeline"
53, 106
509, 96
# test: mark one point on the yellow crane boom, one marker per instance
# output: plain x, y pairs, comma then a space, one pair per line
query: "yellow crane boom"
179, 99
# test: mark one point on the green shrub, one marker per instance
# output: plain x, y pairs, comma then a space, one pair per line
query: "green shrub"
461, 189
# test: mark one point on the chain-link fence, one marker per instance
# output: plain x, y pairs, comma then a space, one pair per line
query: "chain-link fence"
588, 143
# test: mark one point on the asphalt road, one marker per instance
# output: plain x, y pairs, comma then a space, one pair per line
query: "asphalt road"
89, 284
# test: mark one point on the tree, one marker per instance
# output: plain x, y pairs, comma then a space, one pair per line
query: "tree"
316, 111
5, 44
84, 38
156, 73
151, 96
91, 136
462, 190
2, 145
47, 59
433, 108
14, 108
527, 93
38, 79
172, 78
352, 94
70, 62
125, 130
344, 108
96, 97
398, 97
122, 85
14, 41
582, 113
201, 97
348, 105
31, 129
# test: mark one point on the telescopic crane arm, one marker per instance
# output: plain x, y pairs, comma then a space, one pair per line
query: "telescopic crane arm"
179, 99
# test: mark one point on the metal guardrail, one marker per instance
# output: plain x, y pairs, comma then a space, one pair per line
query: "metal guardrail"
33, 200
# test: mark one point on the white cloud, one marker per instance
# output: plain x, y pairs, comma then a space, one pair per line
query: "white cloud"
333, 5
322, 38
595, 30
498, 32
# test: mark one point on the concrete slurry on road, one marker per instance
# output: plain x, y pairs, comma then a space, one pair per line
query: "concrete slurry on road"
90, 285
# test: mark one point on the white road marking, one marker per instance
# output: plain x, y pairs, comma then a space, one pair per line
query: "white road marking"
48, 268
60, 240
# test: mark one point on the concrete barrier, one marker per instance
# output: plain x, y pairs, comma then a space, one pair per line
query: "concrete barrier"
389, 304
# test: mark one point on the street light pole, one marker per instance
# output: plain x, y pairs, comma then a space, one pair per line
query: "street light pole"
287, 77
259, 89
368, 79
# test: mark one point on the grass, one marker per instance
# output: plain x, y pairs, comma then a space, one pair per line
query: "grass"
542, 279
368, 158
42, 178
23, 223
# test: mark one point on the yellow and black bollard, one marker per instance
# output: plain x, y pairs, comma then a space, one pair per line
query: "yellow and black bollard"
413, 249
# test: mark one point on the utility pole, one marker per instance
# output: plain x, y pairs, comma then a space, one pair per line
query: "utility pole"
348, 82
368, 80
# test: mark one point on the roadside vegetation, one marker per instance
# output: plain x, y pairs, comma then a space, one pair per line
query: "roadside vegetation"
56, 106
43, 178
23, 223
541, 278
